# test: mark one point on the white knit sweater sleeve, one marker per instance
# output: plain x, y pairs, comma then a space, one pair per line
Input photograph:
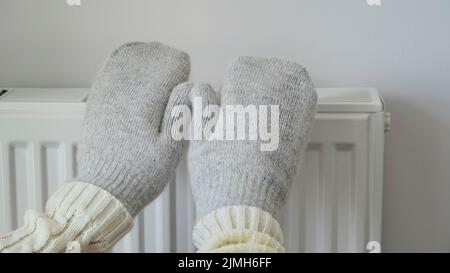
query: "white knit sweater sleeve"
79, 217
238, 229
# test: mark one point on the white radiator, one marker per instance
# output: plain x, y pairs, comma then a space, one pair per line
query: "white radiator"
334, 205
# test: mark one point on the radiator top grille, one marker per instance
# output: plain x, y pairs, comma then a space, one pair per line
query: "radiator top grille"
350, 96
365, 100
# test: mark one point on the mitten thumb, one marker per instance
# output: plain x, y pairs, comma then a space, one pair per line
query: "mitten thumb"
188, 115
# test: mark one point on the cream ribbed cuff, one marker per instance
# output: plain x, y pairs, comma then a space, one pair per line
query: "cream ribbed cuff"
238, 229
80, 217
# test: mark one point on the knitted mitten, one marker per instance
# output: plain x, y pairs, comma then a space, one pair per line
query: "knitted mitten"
127, 148
239, 188
126, 155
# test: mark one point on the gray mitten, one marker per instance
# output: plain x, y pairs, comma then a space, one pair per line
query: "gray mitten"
239, 189
126, 147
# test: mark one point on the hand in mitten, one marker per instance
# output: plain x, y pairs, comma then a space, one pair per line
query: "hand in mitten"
240, 187
126, 154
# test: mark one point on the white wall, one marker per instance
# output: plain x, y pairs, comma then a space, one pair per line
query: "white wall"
402, 48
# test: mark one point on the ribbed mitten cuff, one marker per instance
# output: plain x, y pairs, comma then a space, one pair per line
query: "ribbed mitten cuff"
79, 217
238, 229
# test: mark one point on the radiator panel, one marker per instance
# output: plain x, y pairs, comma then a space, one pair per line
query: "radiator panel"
334, 204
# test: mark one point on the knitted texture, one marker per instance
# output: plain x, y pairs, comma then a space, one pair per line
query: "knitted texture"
238, 229
126, 147
237, 172
79, 217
